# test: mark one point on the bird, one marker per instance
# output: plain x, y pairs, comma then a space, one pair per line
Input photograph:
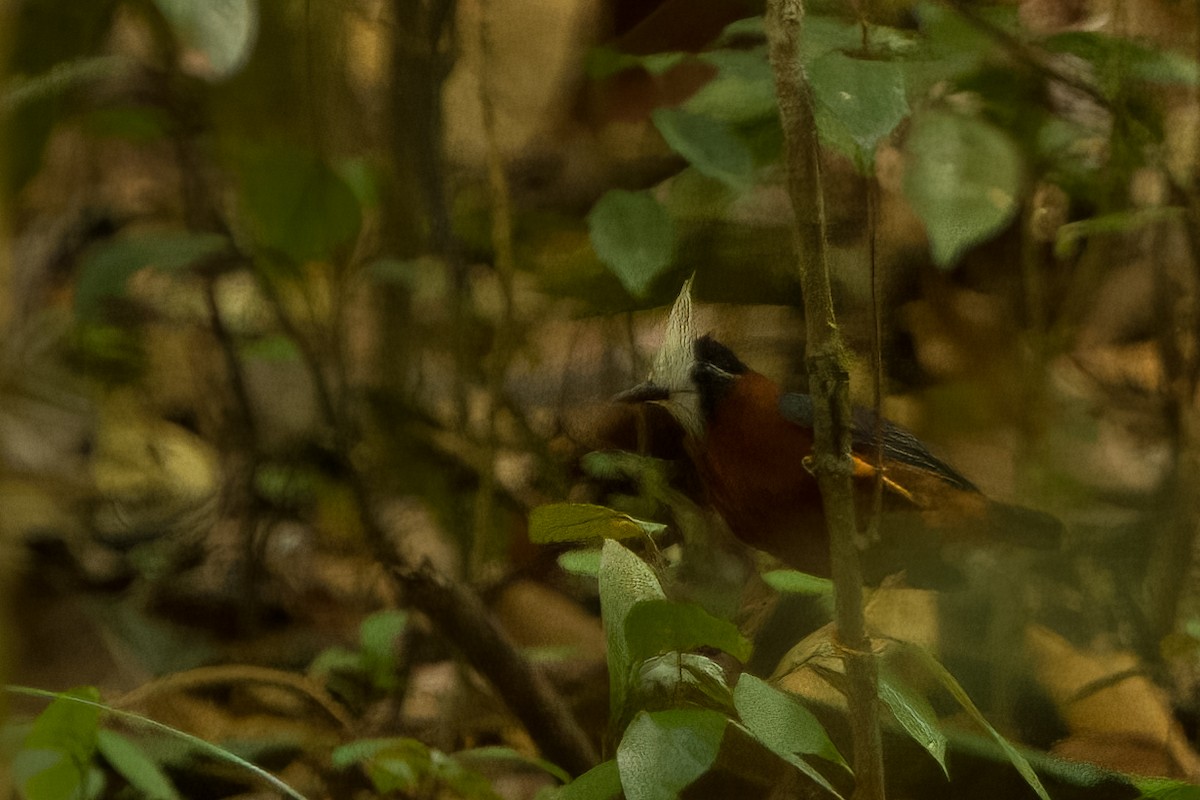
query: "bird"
751, 443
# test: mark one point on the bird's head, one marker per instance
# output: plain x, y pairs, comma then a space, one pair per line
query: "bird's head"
690, 374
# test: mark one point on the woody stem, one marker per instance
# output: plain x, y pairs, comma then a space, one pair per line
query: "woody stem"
829, 387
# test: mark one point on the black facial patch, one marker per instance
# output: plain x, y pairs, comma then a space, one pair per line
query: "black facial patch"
709, 351
715, 371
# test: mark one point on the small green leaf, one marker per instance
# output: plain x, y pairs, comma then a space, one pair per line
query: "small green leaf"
708, 143
743, 91
57, 755
790, 581
625, 580
1070, 234
604, 62
377, 635
601, 782
663, 752
67, 726
784, 726
859, 102
963, 180
914, 713
676, 680
108, 267
634, 236
581, 562
297, 206
396, 764
135, 766
1118, 60
224, 32
658, 626
951, 685
577, 522
498, 753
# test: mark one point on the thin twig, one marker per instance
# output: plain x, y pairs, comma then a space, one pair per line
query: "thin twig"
829, 386
505, 264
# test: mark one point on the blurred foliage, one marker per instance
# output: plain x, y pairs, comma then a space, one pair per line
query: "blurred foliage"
253, 250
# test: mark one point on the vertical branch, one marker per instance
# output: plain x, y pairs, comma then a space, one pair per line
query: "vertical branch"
505, 264
829, 386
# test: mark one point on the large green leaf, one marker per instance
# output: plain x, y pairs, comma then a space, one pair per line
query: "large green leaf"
110, 265
577, 522
709, 144
662, 752
657, 626
634, 236
963, 180
297, 206
625, 581
858, 103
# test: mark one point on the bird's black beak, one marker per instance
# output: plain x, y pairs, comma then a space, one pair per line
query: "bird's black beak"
646, 392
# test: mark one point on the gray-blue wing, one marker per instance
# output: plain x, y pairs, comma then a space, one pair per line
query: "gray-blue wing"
898, 444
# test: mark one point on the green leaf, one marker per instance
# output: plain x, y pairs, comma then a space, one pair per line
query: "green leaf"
601, 782
581, 562
297, 206
396, 764
625, 580
662, 752
378, 634
83, 698
963, 179
784, 726
676, 680
223, 32
604, 62
67, 726
45, 775
950, 684
858, 103
634, 236
790, 581
58, 750
135, 766
577, 522
507, 754
461, 779
709, 144
1165, 789
743, 90
914, 713
110, 265
658, 626
1118, 60
1070, 234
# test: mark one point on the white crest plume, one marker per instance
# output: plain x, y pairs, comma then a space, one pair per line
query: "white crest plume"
672, 369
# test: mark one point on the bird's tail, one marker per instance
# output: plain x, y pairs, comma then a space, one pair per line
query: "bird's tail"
1025, 526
